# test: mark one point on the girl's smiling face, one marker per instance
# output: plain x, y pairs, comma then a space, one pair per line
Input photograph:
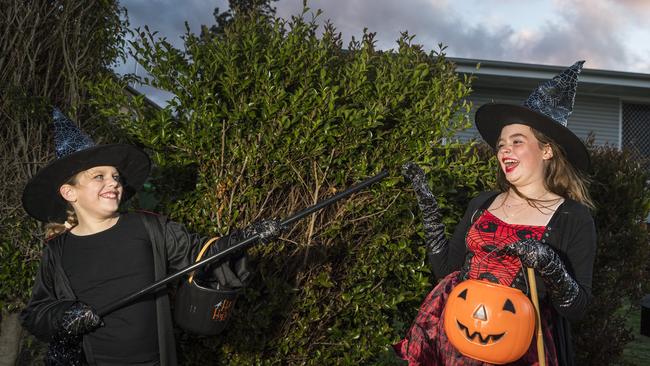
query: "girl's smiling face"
95, 192
520, 155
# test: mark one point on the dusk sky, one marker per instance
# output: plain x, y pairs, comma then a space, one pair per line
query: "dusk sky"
608, 34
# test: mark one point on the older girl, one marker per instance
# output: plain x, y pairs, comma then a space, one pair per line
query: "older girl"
539, 218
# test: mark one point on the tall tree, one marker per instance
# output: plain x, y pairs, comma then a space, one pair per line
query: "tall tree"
239, 7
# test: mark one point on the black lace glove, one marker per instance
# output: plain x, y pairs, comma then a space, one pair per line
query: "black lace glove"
434, 230
228, 273
233, 273
268, 230
79, 319
541, 257
65, 347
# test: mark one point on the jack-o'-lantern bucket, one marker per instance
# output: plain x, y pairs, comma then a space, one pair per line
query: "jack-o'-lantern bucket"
489, 322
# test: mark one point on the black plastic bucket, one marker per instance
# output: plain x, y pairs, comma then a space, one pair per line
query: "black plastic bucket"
203, 310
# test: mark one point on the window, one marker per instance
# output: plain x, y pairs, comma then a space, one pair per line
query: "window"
636, 130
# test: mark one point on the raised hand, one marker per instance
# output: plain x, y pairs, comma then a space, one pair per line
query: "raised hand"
413, 173
541, 257
434, 230
266, 229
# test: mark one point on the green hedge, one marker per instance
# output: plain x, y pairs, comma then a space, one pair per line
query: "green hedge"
272, 116
622, 196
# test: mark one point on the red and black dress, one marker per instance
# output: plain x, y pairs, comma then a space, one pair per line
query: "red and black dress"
426, 343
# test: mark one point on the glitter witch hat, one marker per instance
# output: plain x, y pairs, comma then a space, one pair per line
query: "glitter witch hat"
547, 110
76, 152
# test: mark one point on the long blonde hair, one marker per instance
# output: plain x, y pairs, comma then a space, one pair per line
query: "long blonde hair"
560, 177
53, 229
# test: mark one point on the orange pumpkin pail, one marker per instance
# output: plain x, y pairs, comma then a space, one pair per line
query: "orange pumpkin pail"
489, 322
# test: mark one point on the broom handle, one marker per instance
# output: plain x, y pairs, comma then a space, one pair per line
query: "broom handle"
236, 247
540, 337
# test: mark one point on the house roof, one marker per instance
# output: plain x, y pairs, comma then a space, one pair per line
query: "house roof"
131, 90
515, 75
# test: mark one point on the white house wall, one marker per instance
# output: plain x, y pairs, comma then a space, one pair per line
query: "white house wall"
599, 115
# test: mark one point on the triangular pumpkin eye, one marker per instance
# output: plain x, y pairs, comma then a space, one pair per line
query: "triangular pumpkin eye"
463, 294
508, 306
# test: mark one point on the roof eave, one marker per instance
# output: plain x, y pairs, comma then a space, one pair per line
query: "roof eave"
523, 76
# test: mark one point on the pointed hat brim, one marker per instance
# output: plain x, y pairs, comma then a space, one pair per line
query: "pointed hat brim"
41, 198
492, 117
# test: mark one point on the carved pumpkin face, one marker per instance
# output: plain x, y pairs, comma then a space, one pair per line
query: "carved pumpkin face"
489, 322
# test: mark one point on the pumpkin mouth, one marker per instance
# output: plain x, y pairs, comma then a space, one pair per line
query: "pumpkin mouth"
491, 338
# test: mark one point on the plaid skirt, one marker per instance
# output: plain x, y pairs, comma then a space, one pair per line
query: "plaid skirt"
426, 343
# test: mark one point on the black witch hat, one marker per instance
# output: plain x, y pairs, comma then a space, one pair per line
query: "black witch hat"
547, 110
76, 152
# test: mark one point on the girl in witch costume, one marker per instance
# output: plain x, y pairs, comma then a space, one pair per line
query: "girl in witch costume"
99, 254
539, 218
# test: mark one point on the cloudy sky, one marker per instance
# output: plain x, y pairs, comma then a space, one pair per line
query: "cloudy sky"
609, 34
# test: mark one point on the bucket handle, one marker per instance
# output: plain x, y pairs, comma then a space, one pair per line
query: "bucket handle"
203, 250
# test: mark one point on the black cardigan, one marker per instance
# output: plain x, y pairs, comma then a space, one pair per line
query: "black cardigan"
571, 232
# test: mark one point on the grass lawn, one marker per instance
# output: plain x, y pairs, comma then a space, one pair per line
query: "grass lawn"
637, 351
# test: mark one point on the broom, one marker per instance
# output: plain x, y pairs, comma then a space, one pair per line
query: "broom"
535, 300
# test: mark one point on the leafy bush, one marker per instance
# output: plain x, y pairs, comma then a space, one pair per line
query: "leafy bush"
622, 196
271, 116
